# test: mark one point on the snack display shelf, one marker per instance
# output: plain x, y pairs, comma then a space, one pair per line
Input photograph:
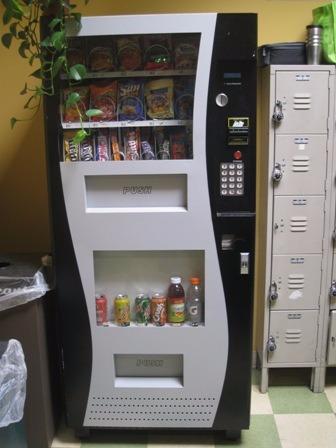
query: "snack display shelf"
167, 327
125, 124
136, 74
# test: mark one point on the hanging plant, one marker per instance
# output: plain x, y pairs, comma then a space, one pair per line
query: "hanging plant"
21, 20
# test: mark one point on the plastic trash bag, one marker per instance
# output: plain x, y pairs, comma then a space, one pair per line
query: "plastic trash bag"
326, 17
13, 377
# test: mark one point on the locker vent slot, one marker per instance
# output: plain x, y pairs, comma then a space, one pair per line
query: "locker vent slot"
302, 101
298, 224
296, 281
133, 410
300, 163
293, 336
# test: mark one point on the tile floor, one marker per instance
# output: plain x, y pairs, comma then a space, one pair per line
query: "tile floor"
288, 416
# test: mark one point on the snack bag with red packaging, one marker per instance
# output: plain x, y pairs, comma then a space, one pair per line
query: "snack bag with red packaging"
104, 98
129, 53
102, 146
158, 52
132, 143
70, 113
116, 152
186, 52
178, 145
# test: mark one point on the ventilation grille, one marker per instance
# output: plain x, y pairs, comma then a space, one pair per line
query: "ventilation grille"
302, 101
296, 281
293, 336
130, 411
298, 224
300, 163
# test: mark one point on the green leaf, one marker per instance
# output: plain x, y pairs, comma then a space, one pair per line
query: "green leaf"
13, 120
27, 104
57, 66
7, 17
77, 72
46, 42
37, 74
93, 112
72, 99
56, 21
77, 16
58, 40
6, 39
24, 90
80, 136
32, 59
21, 35
22, 49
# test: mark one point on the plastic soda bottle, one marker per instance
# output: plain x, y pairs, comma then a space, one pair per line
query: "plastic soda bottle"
194, 302
176, 302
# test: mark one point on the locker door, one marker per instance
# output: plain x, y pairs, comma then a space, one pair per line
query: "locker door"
298, 224
303, 164
331, 353
297, 281
304, 98
295, 336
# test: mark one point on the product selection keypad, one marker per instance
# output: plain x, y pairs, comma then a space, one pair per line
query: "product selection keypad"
232, 179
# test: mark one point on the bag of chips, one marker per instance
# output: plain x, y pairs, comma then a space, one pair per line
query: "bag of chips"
186, 52
72, 112
130, 100
101, 56
158, 52
159, 98
177, 145
104, 98
184, 98
129, 53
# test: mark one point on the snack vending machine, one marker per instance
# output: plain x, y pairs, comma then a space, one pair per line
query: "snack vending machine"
163, 186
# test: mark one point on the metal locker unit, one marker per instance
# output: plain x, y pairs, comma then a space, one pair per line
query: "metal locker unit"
331, 352
294, 209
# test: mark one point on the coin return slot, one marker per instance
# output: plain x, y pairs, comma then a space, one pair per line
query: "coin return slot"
148, 371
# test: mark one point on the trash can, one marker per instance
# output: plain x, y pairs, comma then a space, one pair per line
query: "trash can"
28, 315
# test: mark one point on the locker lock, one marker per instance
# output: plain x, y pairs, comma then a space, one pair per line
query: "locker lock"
332, 290
277, 173
273, 292
277, 112
271, 345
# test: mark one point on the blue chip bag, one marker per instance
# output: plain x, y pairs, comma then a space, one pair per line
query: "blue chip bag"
131, 100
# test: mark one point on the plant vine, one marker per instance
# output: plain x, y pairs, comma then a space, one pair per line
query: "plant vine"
21, 20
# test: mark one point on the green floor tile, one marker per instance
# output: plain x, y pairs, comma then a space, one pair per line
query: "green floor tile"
298, 400
262, 434
111, 439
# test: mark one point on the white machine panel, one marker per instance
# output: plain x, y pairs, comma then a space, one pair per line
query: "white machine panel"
331, 353
298, 224
303, 164
295, 335
297, 281
304, 97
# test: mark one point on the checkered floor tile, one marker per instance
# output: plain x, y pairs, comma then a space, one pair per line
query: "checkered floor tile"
288, 416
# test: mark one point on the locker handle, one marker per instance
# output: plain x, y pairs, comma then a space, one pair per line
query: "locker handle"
277, 112
273, 292
332, 290
277, 173
271, 345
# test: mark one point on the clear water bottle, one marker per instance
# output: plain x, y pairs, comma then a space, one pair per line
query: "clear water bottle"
194, 302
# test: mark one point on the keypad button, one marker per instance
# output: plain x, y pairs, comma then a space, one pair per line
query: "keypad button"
232, 173
239, 185
224, 166
224, 185
224, 192
239, 166
240, 192
231, 179
224, 179
239, 179
231, 185
231, 192
232, 166
224, 172
239, 172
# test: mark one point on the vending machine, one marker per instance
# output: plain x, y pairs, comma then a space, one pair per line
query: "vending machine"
163, 185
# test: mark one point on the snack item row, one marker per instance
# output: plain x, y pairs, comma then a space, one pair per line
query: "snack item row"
133, 99
129, 53
158, 143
